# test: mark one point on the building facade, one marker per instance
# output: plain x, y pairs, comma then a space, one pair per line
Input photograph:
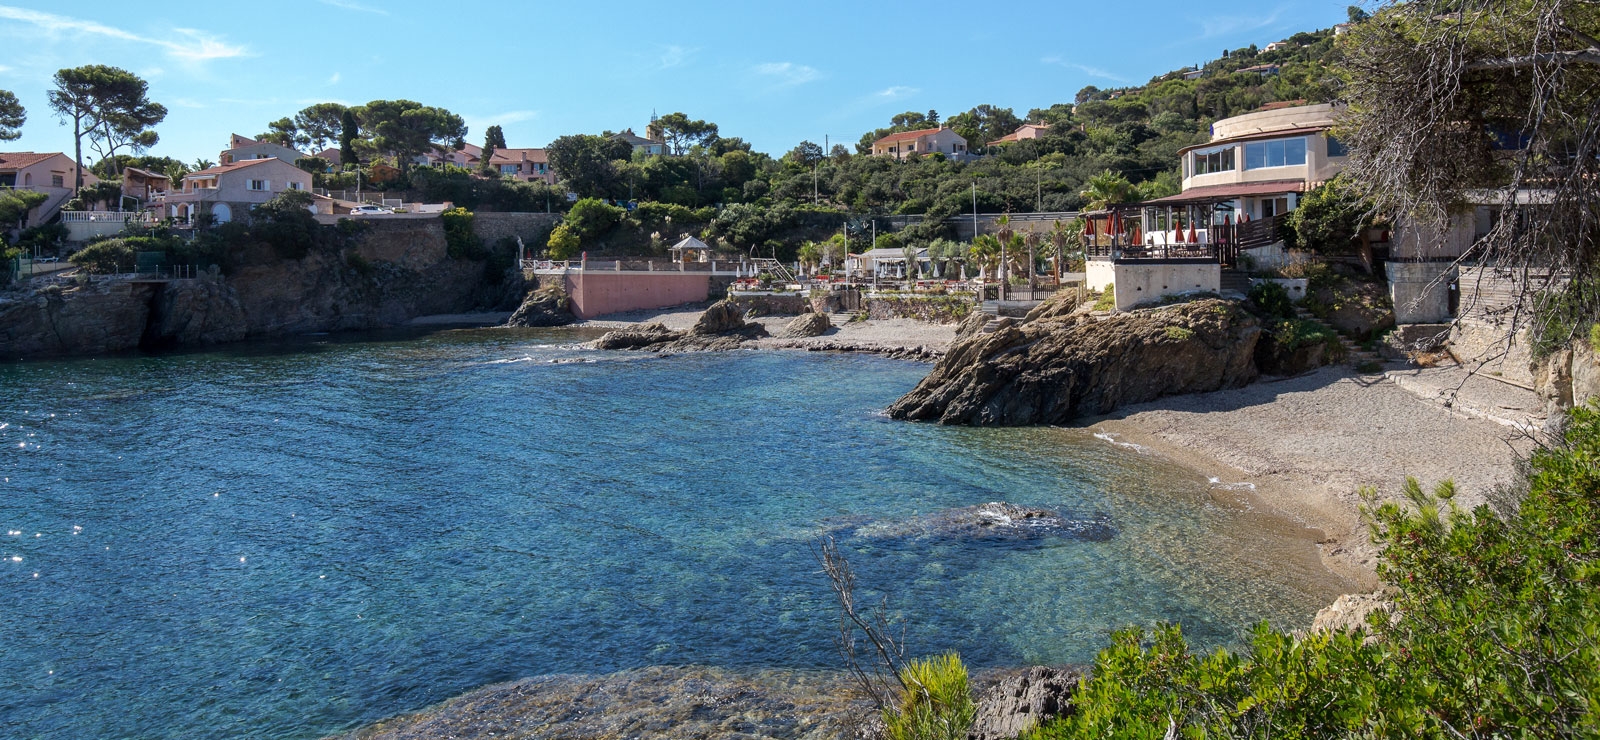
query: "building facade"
921, 143
230, 191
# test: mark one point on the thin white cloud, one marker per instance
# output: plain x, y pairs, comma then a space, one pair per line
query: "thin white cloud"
676, 56
191, 45
334, 80
787, 74
355, 6
896, 92
482, 123
4, 69
188, 103
1102, 73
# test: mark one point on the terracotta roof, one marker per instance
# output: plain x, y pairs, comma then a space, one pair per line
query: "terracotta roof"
221, 168
1017, 135
145, 173
1258, 135
514, 156
1228, 192
19, 160
907, 135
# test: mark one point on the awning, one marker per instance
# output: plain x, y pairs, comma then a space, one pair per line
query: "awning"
1216, 193
690, 243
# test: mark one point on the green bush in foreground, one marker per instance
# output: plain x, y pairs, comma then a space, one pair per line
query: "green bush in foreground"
935, 702
1496, 634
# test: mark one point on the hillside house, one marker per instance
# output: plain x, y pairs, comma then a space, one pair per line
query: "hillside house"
1024, 132
51, 173
923, 142
526, 165
230, 191
648, 146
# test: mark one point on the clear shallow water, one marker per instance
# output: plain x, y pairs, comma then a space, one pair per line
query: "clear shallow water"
282, 541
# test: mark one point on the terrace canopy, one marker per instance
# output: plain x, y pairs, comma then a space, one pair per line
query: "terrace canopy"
685, 250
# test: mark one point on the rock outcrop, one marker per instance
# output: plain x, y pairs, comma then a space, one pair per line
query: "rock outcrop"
806, 325
639, 337
1349, 612
972, 324
91, 319
722, 327
196, 312
548, 306
1020, 702
1277, 358
991, 522
1050, 372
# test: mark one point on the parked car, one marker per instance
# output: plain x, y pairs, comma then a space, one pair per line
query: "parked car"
370, 211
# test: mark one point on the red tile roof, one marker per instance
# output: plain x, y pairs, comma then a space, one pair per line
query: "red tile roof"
19, 160
907, 136
1017, 135
514, 156
221, 168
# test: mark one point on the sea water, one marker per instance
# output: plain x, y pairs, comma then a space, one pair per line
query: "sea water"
287, 540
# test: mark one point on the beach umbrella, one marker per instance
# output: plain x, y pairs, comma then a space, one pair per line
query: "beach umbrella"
1177, 231
1194, 236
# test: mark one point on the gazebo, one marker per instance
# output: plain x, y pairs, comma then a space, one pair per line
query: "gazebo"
691, 250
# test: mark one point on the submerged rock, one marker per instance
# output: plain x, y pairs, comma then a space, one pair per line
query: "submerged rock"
991, 522
1050, 372
548, 306
806, 325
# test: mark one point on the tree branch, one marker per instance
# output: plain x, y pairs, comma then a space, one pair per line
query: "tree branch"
1557, 57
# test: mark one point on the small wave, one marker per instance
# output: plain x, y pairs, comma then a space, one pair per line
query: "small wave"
1112, 438
1218, 485
509, 361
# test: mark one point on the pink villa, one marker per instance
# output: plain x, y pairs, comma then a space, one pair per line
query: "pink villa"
229, 191
526, 165
1025, 131
51, 173
924, 142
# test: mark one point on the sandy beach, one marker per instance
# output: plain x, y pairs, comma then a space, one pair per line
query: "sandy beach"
1310, 443
861, 336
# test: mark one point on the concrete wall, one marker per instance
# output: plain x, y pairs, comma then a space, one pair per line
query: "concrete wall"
534, 228
1146, 283
596, 293
1098, 274
1420, 291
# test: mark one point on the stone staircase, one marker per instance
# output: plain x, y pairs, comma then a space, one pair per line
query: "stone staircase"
840, 318
1235, 281
1354, 354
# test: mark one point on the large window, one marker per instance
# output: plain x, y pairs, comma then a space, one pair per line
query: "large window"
258, 185
1280, 153
1215, 160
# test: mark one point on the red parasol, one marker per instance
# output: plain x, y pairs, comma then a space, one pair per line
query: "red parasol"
1194, 236
1177, 231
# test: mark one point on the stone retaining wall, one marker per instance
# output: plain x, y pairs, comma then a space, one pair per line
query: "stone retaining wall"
932, 309
534, 228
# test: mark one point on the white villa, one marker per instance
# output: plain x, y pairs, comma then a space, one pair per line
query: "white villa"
229, 191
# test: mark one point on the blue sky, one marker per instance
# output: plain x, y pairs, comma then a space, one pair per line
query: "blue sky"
774, 73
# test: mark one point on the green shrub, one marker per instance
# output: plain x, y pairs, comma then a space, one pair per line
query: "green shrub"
563, 244
1495, 633
1272, 299
592, 218
461, 242
935, 702
1179, 333
106, 257
1594, 338
1107, 300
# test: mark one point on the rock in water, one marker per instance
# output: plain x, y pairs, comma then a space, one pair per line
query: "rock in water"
723, 317
1023, 701
546, 306
1051, 372
806, 325
992, 522
637, 338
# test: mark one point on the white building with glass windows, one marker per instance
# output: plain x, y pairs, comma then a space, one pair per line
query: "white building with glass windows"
1261, 162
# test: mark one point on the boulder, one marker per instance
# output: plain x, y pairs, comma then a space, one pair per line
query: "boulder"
722, 317
546, 306
1053, 372
1020, 702
1061, 304
992, 522
640, 337
806, 325
1349, 612
972, 324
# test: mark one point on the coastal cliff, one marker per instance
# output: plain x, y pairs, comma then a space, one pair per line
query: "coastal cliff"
389, 274
1050, 371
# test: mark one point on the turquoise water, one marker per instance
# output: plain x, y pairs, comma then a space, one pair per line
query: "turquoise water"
286, 540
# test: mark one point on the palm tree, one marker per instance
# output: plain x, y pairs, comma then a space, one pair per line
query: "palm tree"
1106, 189
985, 251
203, 164
810, 254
